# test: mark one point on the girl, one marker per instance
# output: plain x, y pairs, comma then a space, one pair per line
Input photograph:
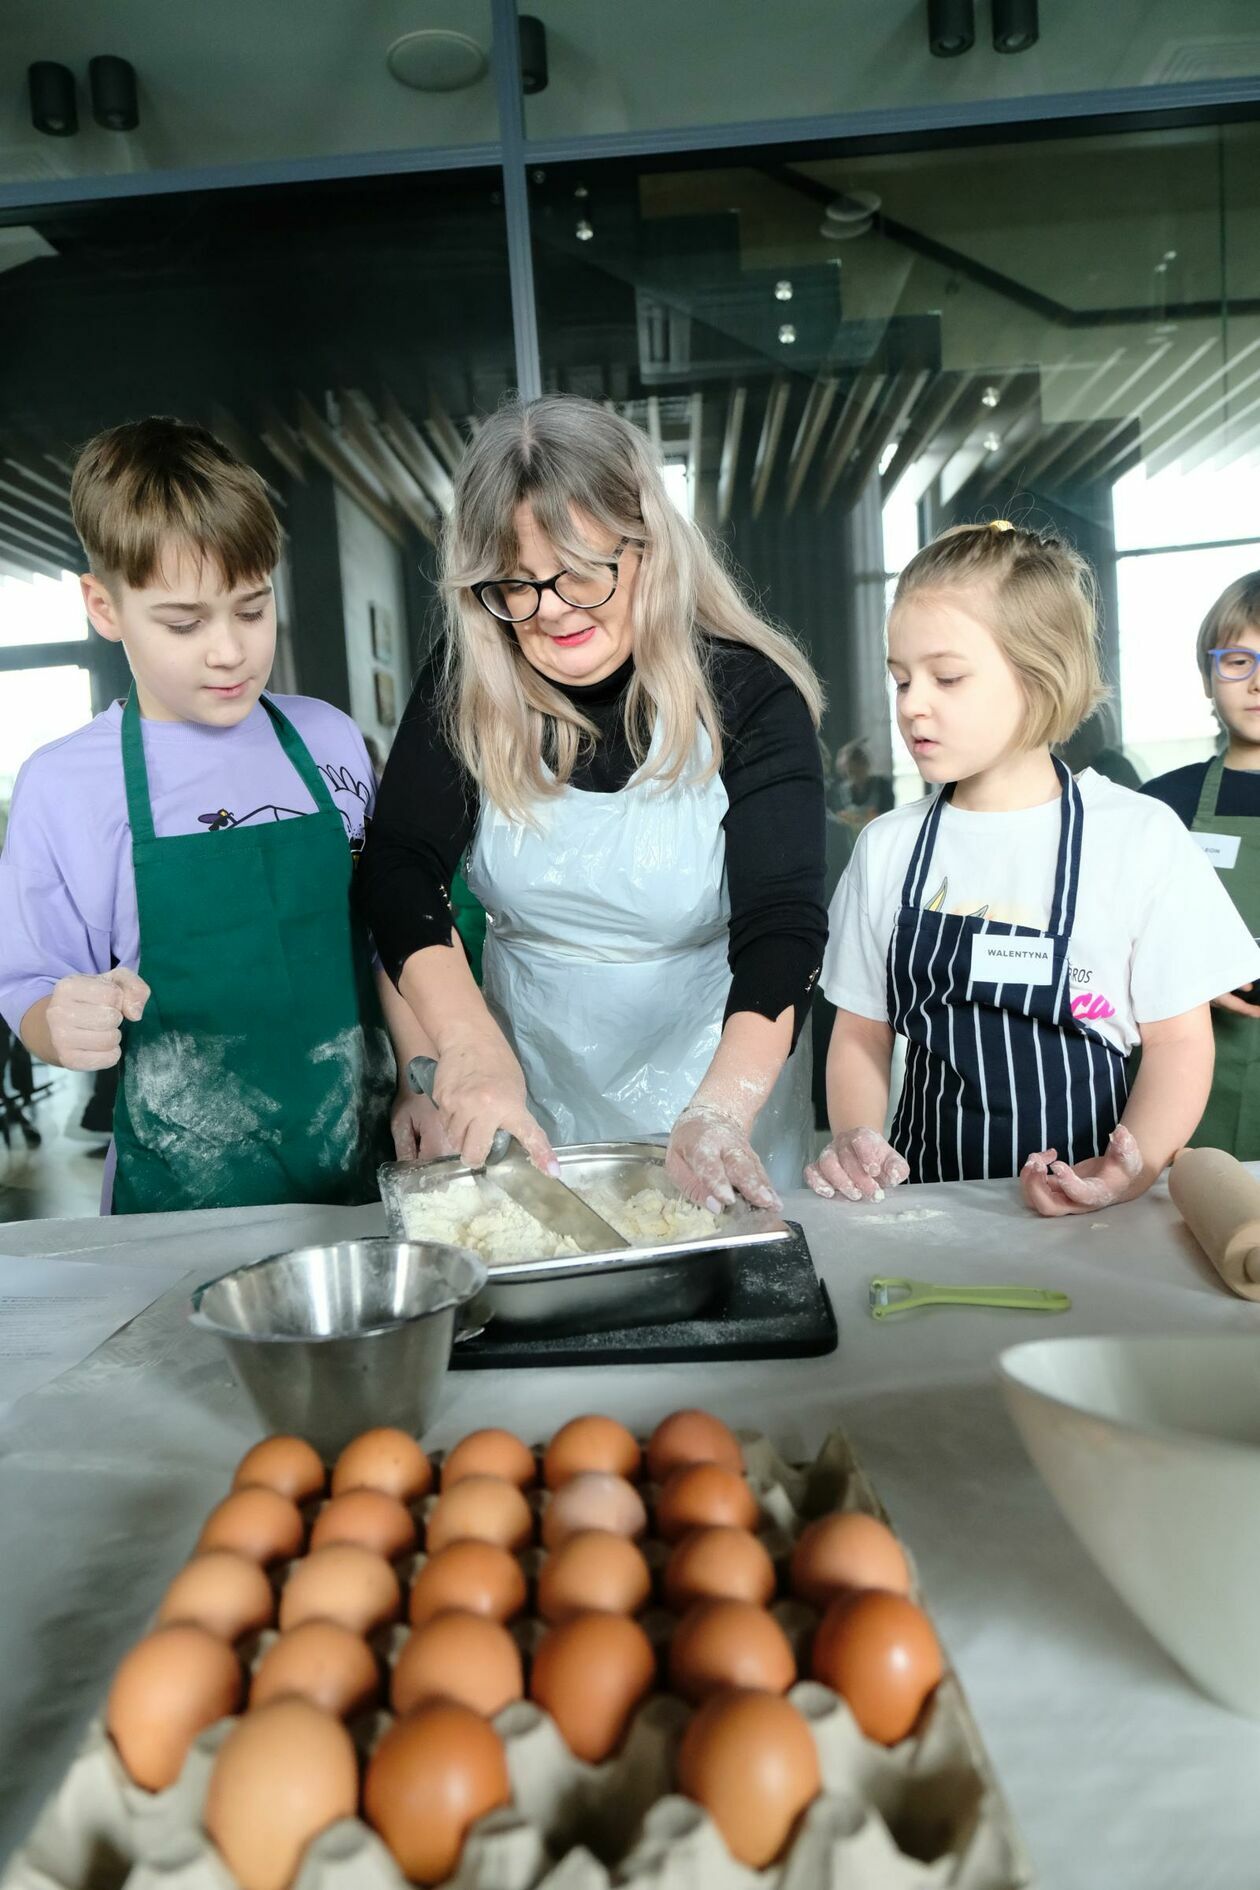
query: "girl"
1024, 931
629, 755
1219, 800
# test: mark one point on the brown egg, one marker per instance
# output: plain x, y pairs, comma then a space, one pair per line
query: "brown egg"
368, 1517
477, 1576
591, 1443
462, 1657
387, 1460
322, 1662
223, 1591
704, 1496
491, 1453
720, 1644
879, 1653
257, 1522
692, 1437
847, 1550
430, 1779
286, 1464
594, 1569
593, 1500
484, 1509
750, 1760
283, 1775
170, 1687
591, 1673
341, 1582
718, 1565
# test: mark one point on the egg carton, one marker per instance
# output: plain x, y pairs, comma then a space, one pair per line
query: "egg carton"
924, 1815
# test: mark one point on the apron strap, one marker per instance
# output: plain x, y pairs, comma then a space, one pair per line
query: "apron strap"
1210, 792
1067, 870
136, 771
300, 755
916, 873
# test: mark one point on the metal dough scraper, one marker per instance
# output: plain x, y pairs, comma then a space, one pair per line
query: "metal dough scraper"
509, 1168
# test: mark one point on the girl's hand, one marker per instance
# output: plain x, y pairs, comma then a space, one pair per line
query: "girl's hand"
1050, 1187
858, 1164
1241, 1007
711, 1160
417, 1129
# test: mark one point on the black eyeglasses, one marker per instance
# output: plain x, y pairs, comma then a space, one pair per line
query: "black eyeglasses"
516, 600
1234, 664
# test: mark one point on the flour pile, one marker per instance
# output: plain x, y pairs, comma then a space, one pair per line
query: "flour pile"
460, 1215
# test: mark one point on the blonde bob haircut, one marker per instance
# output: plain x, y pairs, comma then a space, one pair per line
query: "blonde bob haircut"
1042, 610
1235, 612
583, 471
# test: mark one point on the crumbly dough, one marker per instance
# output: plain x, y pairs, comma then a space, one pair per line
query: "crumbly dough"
460, 1216
651, 1215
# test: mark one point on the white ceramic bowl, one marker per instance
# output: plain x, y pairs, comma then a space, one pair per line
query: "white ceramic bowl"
1151, 1448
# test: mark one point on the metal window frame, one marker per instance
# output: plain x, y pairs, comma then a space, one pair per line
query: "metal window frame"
923, 126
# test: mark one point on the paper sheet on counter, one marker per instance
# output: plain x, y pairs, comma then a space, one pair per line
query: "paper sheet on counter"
54, 1313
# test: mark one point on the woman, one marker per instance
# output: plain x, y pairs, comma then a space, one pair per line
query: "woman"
629, 757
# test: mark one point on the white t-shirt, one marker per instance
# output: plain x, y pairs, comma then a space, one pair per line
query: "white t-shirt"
1156, 932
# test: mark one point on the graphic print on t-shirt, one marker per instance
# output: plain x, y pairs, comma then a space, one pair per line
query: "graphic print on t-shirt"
342, 783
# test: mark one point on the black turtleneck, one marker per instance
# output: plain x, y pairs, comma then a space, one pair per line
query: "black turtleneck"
775, 824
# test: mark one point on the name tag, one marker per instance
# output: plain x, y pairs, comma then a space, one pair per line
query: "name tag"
997, 960
1221, 848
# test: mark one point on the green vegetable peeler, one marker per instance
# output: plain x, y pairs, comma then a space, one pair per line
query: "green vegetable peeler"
890, 1296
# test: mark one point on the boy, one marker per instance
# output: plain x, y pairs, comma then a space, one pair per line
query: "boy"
1219, 800
175, 889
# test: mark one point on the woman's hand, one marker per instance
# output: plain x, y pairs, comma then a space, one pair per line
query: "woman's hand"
417, 1129
1050, 1187
858, 1164
710, 1159
480, 1088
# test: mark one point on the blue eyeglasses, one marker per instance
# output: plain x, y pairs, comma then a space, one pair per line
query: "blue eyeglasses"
1234, 664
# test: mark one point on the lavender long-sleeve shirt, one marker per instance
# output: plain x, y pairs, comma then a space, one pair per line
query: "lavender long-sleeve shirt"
67, 889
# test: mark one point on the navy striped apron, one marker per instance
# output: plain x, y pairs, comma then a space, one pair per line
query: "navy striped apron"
995, 1070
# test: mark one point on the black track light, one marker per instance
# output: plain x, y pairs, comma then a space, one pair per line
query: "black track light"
114, 101
951, 27
533, 54
1015, 25
54, 110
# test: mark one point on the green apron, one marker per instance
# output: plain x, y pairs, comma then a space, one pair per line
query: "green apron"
1232, 1118
261, 1071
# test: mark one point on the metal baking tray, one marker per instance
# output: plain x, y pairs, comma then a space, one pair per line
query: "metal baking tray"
674, 1279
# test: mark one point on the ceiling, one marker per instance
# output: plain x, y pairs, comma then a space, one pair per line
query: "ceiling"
254, 80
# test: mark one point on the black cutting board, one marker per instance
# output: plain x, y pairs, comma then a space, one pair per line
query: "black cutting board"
775, 1307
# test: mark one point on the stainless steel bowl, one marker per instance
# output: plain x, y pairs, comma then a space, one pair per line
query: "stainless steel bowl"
330, 1341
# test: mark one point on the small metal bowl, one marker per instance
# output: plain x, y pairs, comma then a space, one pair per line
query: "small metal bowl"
330, 1341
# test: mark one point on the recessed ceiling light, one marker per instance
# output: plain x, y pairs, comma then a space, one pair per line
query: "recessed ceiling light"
435, 59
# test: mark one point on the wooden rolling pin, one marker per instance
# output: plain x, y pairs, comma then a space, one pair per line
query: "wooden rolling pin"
1220, 1204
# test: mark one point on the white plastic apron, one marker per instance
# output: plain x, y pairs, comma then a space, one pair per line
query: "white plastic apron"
606, 962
